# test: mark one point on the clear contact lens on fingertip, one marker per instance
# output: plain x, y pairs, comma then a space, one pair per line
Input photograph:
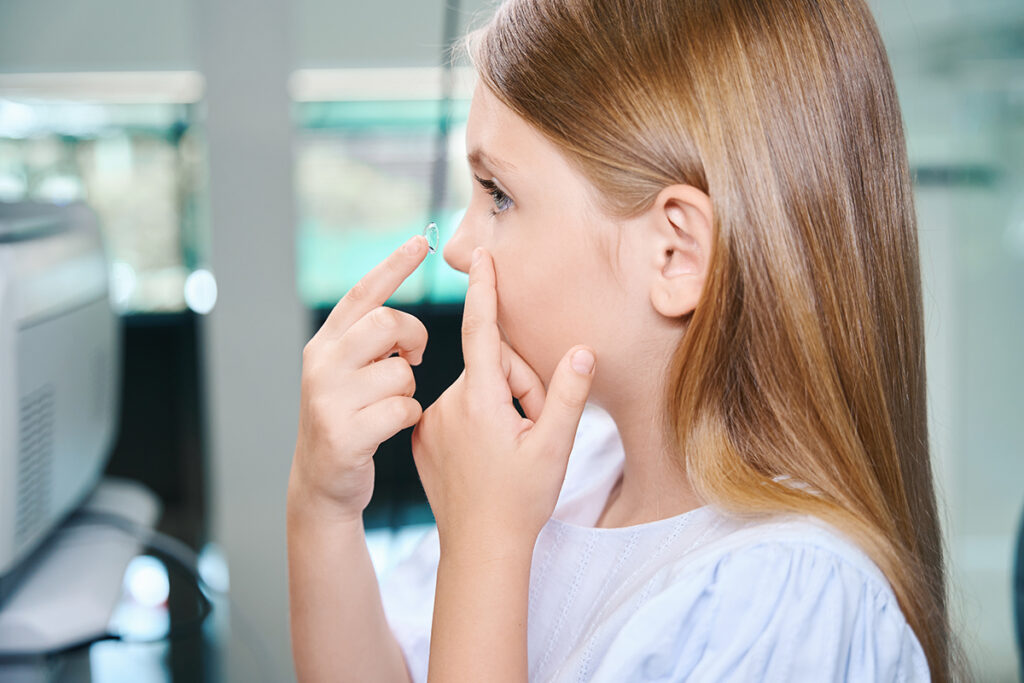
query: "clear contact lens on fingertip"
430, 232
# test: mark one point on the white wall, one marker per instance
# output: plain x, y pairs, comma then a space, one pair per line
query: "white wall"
146, 35
82, 35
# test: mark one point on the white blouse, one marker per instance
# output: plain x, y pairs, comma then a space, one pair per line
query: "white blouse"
700, 596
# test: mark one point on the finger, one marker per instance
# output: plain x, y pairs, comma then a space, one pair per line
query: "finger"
481, 341
567, 394
380, 333
523, 382
376, 287
377, 381
380, 421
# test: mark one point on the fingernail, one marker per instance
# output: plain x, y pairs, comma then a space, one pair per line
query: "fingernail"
411, 247
583, 361
477, 253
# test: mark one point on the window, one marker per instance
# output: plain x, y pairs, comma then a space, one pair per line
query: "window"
366, 181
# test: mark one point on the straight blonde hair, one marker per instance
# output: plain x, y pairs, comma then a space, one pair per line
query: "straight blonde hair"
805, 356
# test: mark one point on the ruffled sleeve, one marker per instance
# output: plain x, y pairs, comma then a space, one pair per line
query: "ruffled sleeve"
769, 611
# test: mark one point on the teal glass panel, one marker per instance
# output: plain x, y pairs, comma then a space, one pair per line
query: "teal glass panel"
364, 178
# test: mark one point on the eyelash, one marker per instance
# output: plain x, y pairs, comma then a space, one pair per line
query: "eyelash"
501, 200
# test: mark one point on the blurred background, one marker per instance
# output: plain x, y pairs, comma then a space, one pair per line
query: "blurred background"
248, 162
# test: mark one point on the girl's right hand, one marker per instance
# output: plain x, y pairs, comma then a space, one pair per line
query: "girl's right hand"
354, 394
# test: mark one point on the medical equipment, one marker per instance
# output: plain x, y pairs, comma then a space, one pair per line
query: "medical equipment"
60, 354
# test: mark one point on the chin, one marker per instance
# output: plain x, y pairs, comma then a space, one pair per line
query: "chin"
545, 378
542, 366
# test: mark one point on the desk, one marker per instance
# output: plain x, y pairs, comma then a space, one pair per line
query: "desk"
193, 655
105, 571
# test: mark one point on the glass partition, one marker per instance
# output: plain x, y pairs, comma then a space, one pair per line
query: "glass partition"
139, 166
370, 173
959, 68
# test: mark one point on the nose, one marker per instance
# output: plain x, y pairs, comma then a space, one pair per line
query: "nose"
459, 249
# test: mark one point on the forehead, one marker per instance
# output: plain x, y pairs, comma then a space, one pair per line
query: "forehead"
501, 135
486, 115
522, 154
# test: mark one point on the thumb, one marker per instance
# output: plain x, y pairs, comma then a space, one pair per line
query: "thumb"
555, 429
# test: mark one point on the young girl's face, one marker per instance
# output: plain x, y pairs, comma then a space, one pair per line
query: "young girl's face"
563, 274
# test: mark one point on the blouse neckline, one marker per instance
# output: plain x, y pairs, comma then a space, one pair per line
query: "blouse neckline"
586, 519
645, 527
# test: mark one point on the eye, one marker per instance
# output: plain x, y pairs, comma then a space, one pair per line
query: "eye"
501, 200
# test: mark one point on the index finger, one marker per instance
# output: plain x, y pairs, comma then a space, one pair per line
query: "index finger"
481, 341
376, 287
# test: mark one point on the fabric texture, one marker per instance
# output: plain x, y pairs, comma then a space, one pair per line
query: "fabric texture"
696, 597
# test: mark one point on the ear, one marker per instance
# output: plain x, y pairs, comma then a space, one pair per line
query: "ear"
681, 220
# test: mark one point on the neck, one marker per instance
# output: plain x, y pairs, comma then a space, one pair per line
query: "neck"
653, 485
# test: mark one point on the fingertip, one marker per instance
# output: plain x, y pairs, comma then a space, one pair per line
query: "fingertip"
583, 361
415, 245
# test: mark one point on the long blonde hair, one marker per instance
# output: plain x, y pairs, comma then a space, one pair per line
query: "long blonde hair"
805, 356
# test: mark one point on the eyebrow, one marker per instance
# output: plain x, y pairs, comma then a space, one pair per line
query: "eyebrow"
478, 157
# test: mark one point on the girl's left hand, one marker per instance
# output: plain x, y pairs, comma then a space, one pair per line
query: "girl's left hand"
492, 476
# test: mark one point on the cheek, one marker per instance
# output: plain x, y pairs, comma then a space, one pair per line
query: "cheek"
536, 314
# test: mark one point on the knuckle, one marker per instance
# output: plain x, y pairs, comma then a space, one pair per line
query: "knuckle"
311, 371
570, 402
384, 318
421, 330
308, 350
359, 292
471, 324
401, 411
395, 374
408, 380
394, 263
378, 372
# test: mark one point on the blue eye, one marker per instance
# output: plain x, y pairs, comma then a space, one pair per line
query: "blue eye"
501, 200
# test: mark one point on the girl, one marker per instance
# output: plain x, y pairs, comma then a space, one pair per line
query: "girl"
694, 218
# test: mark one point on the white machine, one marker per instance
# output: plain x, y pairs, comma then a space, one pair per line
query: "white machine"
60, 350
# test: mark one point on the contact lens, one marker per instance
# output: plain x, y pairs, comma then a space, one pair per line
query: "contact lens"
430, 232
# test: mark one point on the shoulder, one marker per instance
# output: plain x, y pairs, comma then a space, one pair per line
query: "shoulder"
788, 599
